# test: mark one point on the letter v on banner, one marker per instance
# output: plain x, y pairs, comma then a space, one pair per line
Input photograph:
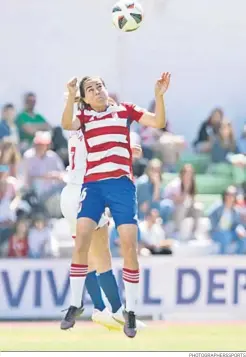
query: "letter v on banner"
59, 298
14, 300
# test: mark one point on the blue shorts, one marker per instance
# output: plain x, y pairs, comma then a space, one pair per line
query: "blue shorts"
119, 195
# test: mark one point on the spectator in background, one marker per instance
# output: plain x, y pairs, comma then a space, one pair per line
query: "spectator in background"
44, 172
10, 157
163, 143
153, 235
17, 243
8, 192
139, 164
149, 191
224, 143
208, 130
8, 127
179, 203
59, 145
242, 141
226, 223
149, 136
39, 238
169, 147
29, 122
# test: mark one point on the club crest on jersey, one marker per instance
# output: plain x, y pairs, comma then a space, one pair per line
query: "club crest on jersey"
115, 115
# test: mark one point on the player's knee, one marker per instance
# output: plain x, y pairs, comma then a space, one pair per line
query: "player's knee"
128, 236
83, 236
128, 246
81, 246
101, 252
104, 257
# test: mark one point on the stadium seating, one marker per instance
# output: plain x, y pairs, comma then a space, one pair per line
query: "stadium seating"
199, 162
206, 183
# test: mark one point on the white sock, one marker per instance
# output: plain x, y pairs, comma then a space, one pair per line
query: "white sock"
77, 282
131, 282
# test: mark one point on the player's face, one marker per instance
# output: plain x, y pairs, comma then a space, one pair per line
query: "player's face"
96, 94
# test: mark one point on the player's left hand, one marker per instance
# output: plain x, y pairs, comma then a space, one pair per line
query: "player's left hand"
162, 84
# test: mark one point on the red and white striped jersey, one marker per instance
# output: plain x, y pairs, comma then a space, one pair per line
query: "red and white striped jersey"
107, 140
77, 157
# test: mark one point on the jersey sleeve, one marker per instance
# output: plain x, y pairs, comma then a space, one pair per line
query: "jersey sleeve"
80, 116
135, 113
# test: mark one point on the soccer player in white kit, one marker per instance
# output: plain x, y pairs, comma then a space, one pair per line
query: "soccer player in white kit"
100, 269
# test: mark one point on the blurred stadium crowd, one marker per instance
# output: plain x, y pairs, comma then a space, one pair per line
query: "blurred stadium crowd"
191, 199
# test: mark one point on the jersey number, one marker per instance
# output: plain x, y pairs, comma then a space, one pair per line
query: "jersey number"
73, 152
82, 197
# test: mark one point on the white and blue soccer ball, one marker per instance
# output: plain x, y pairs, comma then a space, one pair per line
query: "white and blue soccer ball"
127, 15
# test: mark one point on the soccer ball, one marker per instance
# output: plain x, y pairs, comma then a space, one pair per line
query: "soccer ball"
127, 15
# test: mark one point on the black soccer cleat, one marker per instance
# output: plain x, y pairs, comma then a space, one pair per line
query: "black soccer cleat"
70, 318
130, 329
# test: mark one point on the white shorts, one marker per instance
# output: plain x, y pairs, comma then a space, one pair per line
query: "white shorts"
70, 202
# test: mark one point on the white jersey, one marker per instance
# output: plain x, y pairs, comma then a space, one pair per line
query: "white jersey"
77, 157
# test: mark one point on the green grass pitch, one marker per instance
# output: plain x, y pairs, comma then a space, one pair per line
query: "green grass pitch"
158, 336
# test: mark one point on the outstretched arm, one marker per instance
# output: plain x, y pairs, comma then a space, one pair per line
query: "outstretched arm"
158, 119
68, 122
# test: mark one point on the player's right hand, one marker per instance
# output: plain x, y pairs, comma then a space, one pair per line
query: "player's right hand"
72, 87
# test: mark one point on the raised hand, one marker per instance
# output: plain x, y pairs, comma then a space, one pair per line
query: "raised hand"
72, 87
162, 84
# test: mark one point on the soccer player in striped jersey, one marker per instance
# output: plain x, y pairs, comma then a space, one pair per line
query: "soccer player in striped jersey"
100, 269
108, 178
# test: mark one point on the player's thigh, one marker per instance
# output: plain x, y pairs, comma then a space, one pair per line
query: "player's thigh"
69, 202
122, 202
84, 230
99, 250
91, 204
